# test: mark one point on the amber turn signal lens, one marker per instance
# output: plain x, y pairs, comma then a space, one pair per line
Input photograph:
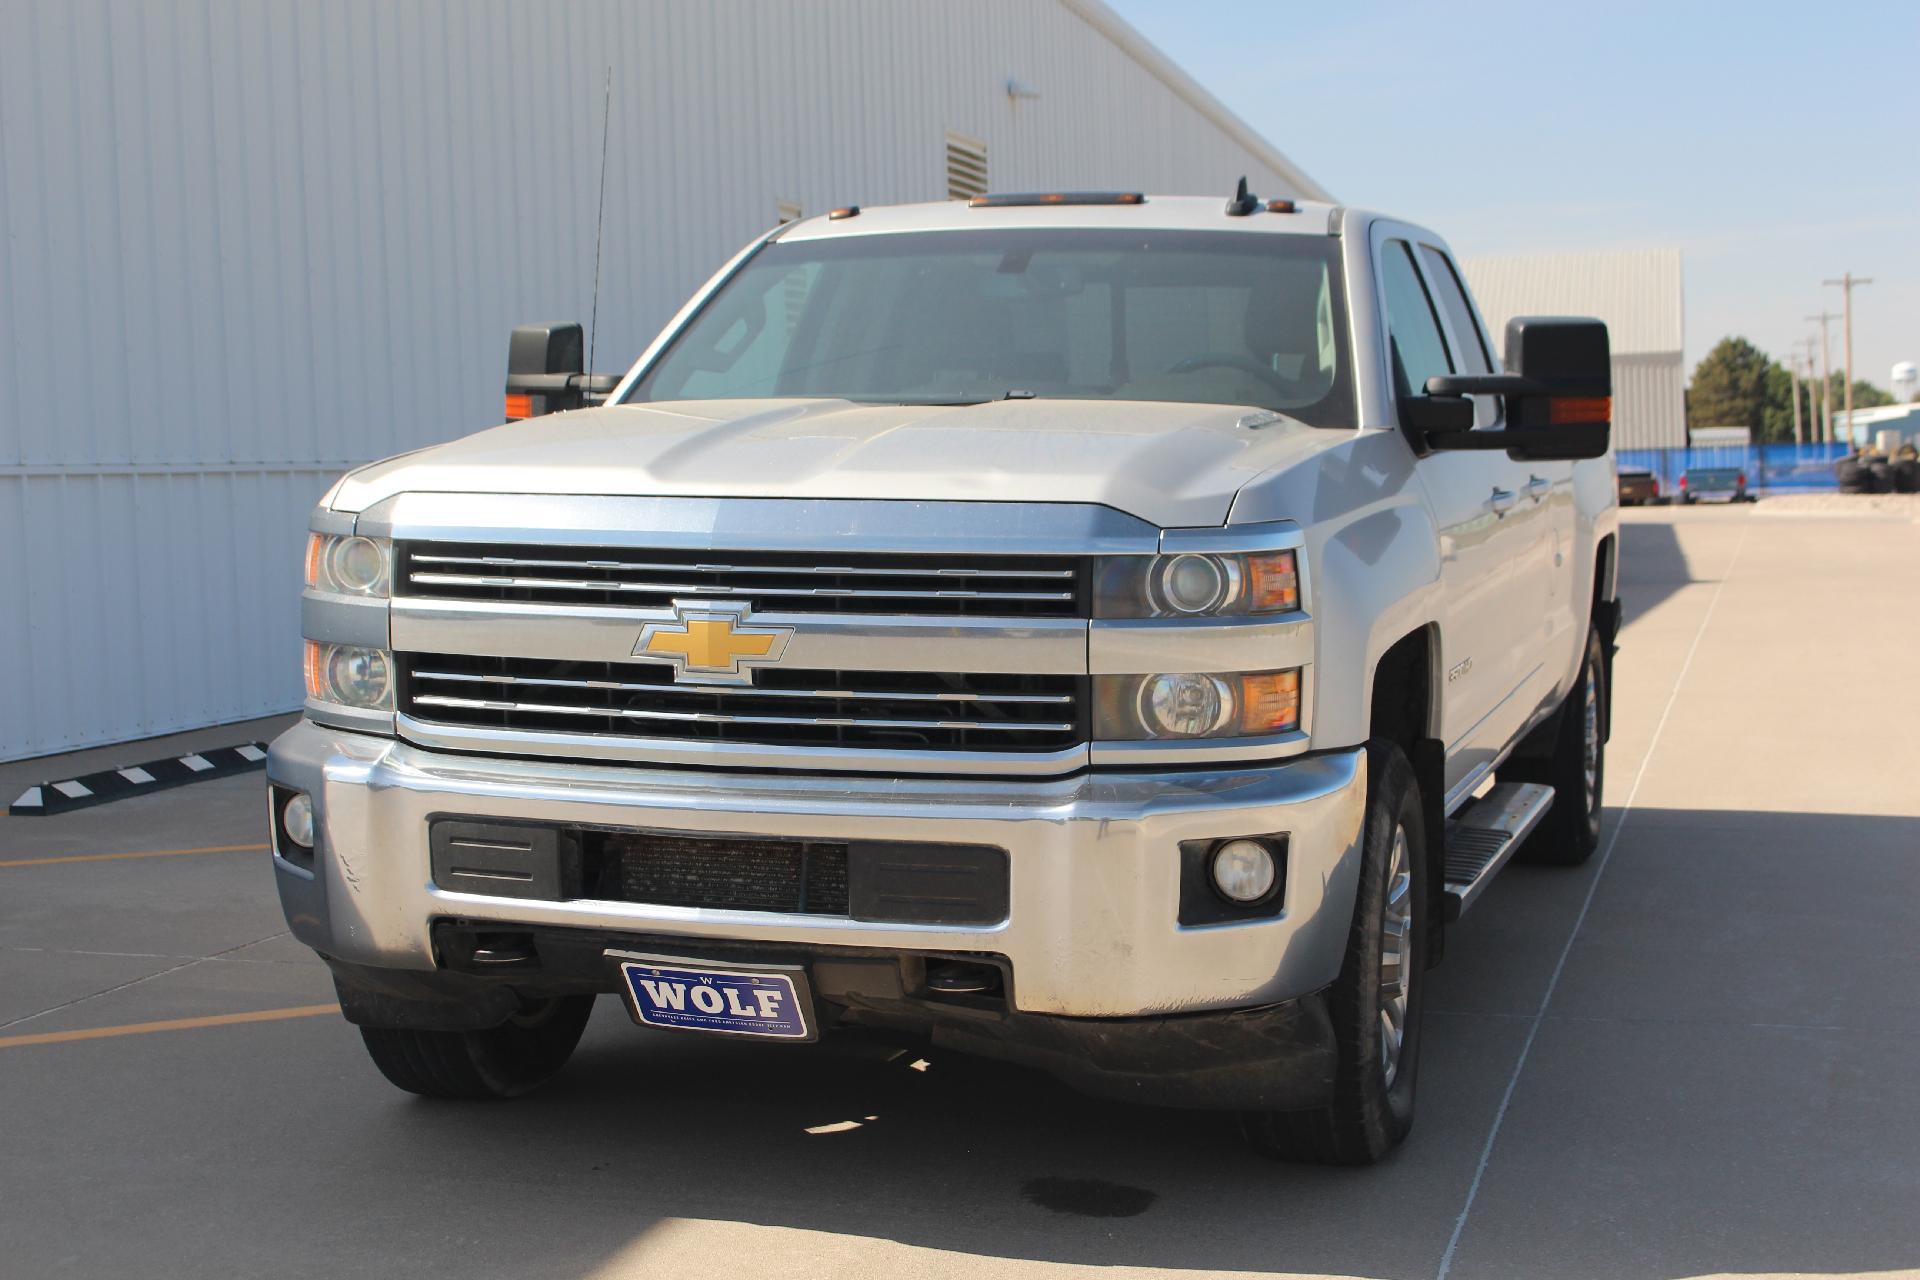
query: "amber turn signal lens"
1269, 703
315, 686
520, 406
1274, 582
314, 542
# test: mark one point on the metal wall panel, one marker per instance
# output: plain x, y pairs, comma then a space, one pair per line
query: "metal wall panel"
245, 244
1649, 402
1640, 293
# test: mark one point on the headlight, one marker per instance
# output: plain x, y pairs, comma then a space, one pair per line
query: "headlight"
347, 564
1195, 584
350, 676
1190, 705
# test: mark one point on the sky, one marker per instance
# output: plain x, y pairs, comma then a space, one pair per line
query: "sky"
1776, 145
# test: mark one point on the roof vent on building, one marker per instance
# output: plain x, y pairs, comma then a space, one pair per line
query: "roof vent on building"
787, 211
966, 167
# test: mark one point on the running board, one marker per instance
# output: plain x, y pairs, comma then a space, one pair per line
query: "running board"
1480, 841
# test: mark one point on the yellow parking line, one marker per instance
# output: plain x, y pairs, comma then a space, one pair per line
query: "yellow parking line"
171, 1024
143, 853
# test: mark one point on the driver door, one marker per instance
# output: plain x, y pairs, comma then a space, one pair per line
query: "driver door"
1489, 609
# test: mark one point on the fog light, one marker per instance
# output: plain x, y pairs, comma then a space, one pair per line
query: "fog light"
1243, 871
296, 819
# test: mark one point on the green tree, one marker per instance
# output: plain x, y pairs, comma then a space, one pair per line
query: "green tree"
1729, 388
1776, 411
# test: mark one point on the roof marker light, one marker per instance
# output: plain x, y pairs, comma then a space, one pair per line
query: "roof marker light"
1022, 199
1282, 206
847, 211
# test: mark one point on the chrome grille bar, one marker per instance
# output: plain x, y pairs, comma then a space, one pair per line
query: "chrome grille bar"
904, 571
717, 717
710, 589
749, 691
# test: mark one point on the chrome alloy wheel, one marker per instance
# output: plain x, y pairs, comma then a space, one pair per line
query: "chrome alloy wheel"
1590, 742
1396, 956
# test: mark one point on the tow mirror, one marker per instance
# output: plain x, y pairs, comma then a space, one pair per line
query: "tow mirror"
545, 372
1558, 393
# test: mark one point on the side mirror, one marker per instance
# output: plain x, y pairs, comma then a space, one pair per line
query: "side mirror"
545, 372
1559, 392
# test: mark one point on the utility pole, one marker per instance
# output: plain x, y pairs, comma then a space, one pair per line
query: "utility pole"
1826, 373
1793, 371
1847, 284
1813, 405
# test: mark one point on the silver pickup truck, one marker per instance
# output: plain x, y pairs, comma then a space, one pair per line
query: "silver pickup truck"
1118, 634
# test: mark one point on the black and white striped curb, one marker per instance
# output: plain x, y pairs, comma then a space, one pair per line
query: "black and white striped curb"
137, 779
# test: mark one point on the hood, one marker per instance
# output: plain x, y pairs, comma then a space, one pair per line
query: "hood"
1176, 465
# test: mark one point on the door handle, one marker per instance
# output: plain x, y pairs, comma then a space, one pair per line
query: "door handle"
1502, 501
1538, 489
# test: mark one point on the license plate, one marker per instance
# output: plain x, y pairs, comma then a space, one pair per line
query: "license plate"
740, 1002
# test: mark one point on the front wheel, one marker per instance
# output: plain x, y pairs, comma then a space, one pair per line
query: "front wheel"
516, 1057
1375, 1003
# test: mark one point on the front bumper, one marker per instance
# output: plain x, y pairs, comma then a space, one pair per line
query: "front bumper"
1091, 930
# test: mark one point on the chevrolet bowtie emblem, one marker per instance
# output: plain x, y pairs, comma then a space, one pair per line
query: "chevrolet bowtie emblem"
711, 642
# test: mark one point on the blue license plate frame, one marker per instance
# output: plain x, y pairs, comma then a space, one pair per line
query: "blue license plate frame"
753, 1002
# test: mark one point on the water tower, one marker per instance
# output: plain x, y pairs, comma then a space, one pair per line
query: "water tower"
1906, 380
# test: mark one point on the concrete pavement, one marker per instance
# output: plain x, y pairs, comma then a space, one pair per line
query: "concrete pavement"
1687, 1058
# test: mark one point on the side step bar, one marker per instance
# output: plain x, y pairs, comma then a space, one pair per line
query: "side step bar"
1480, 841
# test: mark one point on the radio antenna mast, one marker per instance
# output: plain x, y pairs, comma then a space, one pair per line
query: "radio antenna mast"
600, 217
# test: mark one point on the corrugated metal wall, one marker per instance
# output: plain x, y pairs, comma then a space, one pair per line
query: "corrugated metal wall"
1641, 295
245, 244
1649, 402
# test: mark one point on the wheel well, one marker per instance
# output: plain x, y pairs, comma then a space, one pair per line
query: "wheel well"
1402, 713
1401, 710
1604, 587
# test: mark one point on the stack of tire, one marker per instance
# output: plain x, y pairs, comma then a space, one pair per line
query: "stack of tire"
1874, 474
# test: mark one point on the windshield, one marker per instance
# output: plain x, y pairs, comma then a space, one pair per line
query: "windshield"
1233, 318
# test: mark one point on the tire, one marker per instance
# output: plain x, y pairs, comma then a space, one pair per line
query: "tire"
1852, 477
1570, 832
1906, 476
506, 1061
1882, 477
1372, 1107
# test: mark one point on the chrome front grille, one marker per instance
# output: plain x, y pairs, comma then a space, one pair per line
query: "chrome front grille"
790, 582
874, 710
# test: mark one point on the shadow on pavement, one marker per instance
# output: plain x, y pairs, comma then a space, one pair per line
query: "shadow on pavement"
1713, 1092
1652, 566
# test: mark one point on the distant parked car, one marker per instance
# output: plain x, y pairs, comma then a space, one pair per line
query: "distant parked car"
1713, 484
1638, 487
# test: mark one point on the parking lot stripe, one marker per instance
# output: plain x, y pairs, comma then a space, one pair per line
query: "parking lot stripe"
138, 853
171, 1024
1586, 904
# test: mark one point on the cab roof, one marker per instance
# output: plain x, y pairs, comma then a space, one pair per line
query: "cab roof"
1147, 212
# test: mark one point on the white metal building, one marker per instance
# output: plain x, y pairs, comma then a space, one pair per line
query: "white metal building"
247, 244
1639, 293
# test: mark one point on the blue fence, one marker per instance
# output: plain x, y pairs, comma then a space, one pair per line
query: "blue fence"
1769, 467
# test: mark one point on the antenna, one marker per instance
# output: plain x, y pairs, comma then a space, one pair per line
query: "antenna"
600, 218
1243, 201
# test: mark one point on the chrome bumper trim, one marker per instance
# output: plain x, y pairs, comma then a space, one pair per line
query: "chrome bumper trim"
1095, 862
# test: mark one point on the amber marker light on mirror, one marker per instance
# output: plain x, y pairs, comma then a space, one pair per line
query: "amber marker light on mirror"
1568, 411
519, 406
1270, 702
